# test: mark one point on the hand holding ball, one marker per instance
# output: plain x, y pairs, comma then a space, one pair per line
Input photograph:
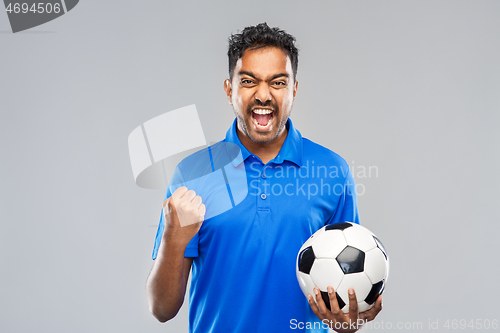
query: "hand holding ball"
344, 255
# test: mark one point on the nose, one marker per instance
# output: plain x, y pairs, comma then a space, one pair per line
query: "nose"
263, 94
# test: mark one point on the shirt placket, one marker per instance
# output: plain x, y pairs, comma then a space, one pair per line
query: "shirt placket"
264, 199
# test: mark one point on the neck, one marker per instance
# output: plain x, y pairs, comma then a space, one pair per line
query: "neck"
265, 151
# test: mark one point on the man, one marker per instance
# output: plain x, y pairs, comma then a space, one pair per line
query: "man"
243, 261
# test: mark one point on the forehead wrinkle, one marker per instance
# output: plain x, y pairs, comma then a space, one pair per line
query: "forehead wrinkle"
239, 70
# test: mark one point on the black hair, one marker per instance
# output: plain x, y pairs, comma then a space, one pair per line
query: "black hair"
261, 35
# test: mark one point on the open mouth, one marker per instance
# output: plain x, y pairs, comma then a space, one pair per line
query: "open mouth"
262, 118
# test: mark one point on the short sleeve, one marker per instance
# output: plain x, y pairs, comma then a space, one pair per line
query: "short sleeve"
192, 248
347, 208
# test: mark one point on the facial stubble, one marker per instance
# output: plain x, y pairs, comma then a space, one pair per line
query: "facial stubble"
243, 126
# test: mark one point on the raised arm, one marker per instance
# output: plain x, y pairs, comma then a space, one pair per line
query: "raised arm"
166, 284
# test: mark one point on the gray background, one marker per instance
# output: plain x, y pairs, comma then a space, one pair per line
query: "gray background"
411, 87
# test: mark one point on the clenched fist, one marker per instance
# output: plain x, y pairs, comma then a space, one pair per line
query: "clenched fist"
184, 213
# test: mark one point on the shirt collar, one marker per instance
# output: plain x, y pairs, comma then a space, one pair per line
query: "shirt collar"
290, 151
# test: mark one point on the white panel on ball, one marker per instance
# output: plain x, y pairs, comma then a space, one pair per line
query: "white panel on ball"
305, 282
359, 238
362, 285
326, 272
332, 244
376, 266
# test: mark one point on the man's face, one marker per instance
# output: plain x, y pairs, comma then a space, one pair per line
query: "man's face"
262, 92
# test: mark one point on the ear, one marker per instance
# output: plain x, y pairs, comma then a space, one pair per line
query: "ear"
228, 89
295, 86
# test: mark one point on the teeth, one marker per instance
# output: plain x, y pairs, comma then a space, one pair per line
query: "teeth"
263, 111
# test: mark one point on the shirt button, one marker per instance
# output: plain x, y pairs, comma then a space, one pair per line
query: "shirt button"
263, 196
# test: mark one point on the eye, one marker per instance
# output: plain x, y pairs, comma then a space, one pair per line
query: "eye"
246, 82
279, 84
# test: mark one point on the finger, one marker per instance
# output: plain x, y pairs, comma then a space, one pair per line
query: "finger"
189, 195
196, 201
321, 304
166, 207
369, 315
334, 304
353, 305
179, 192
174, 198
314, 306
378, 304
202, 209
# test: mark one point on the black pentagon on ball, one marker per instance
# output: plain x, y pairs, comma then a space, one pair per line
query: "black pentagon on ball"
340, 301
326, 299
306, 259
351, 260
376, 290
338, 226
380, 246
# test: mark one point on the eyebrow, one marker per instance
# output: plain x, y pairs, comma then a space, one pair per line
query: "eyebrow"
272, 78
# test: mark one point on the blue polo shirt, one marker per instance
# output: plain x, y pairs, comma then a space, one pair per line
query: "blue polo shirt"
243, 272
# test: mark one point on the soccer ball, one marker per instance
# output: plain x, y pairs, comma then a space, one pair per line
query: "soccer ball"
344, 255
